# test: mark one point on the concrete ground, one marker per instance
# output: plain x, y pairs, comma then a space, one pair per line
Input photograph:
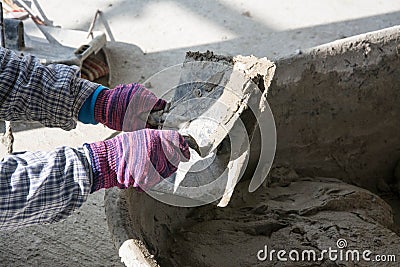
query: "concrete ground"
145, 37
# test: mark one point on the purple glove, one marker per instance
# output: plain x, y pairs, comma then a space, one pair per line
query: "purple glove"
124, 107
139, 159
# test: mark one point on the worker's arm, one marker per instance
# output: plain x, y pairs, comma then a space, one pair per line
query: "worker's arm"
30, 91
37, 188
55, 96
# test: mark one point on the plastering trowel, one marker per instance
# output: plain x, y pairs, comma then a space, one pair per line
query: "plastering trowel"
206, 107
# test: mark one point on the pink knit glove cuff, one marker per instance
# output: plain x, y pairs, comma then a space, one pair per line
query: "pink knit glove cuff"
124, 107
103, 158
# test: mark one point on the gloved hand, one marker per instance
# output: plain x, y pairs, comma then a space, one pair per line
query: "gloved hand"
139, 159
123, 106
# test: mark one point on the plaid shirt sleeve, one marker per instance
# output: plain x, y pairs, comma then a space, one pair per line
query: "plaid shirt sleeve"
30, 91
42, 187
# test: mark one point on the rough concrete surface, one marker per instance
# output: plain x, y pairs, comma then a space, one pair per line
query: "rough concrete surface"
335, 107
291, 213
165, 30
329, 103
308, 213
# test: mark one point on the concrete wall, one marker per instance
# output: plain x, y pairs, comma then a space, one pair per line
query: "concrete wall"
337, 111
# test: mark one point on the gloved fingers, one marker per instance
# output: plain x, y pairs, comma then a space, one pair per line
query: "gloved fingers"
159, 105
126, 107
175, 145
145, 157
134, 159
143, 100
142, 103
155, 118
174, 149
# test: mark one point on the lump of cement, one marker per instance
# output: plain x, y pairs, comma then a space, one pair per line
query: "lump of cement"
303, 215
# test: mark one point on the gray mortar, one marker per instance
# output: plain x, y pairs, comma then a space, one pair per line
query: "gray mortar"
337, 115
336, 109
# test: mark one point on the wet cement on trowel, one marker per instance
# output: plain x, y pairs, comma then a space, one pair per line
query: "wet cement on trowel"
219, 119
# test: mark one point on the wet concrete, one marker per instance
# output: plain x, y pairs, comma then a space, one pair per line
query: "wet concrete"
336, 112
